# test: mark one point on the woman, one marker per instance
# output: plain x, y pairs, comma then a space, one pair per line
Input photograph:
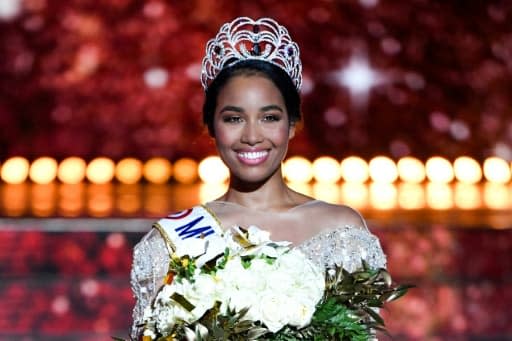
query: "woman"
252, 75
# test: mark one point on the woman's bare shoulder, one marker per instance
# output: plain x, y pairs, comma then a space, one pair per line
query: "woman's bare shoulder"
338, 214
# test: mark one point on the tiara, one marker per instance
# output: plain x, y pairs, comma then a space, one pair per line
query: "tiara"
247, 39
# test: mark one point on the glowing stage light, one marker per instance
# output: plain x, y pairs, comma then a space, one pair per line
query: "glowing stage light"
128, 171
43, 170
496, 170
383, 196
411, 170
100, 170
185, 171
467, 170
157, 170
71, 170
467, 196
411, 196
439, 170
211, 191
383, 170
327, 192
354, 194
15, 170
213, 170
71, 199
354, 169
100, 199
326, 170
298, 169
439, 196
43, 198
497, 196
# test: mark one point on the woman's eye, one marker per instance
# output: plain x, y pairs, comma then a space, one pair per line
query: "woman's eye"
232, 119
272, 118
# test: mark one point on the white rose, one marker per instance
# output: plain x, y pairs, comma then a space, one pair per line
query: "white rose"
272, 310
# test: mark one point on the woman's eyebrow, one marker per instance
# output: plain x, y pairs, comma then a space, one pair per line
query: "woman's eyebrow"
231, 108
271, 107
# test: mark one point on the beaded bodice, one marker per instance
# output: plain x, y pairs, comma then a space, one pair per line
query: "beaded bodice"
326, 241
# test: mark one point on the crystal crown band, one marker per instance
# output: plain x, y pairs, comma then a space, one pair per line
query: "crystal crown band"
247, 39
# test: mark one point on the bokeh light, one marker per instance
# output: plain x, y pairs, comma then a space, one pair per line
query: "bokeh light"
213, 170
383, 170
467, 196
354, 169
326, 170
185, 171
354, 194
467, 170
497, 196
497, 170
100, 170
411, 196
157, 170
326, 192
383, 196
209, 191
43, 170
15, 170
439, 196
298, 169
128, 171
439, 170
411, 170
71, 170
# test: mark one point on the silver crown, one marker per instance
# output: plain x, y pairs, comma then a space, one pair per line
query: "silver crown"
244, 39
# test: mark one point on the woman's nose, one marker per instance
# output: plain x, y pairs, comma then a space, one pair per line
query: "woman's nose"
251, 133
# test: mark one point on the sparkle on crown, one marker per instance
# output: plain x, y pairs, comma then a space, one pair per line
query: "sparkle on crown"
244, 38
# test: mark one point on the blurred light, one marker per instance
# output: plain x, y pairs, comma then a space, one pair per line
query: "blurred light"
100, 170
156, 199
439, 170
157, 170
358, 76
71, 199
326, 169
354, 169
185, 171
467, 170
213, 170
209, 191
297, 169
71, 170
354, 194
497, 196
128, 171
383, 196
128, 198
43, 170
10, 9
15, 170
327, 192
156, 77
188, 194
100, 201
411, 196
411, 170
301, 187
43, 199
14, 199
383, 170
439, 196
467, 196
497, 170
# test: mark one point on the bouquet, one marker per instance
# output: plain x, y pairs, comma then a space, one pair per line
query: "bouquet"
243, 286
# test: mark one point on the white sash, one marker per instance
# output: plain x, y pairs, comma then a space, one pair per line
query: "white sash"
195, 222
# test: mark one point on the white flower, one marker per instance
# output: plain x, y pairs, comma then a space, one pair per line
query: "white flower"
257, 236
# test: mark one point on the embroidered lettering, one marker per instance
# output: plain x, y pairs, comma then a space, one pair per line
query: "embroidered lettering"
187, 230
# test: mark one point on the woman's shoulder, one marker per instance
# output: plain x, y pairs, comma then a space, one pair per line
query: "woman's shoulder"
336, 213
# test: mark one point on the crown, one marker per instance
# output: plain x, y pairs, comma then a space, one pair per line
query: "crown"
247, 39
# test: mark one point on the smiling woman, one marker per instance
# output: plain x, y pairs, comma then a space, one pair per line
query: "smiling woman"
252, 76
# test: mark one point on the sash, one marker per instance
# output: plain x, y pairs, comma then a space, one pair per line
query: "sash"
195, 222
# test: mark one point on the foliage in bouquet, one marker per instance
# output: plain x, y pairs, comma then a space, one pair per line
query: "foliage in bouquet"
243, 286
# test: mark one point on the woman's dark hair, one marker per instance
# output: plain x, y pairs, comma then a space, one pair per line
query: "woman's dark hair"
249, 68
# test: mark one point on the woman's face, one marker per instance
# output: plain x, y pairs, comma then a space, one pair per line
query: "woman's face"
252, 128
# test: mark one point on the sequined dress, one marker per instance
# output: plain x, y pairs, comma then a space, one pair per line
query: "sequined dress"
326, 233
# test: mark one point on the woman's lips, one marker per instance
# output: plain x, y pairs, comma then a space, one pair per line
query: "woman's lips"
253, 158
